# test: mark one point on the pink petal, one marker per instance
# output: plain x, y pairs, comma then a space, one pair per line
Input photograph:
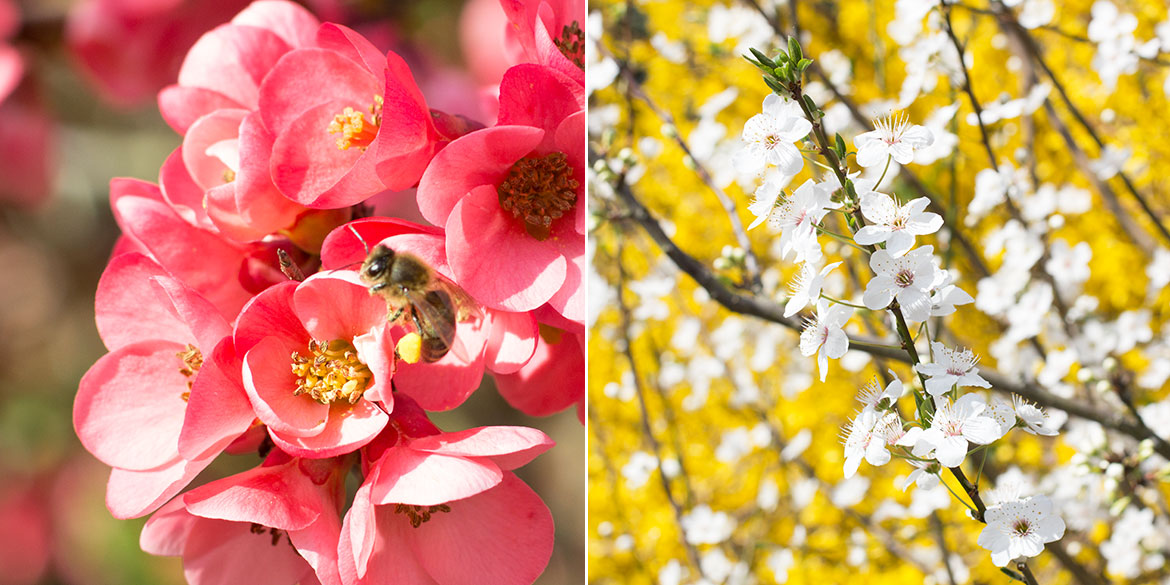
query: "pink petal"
132, 307
11, 70
203, 319
229, 553
309, 168
512, 340
129, 407
277, 496
570, 135
201, 259
218, 410
408, 141
495, 259
233, 60
270, 313
348, 428
306, 79
180, 191
131, 494
569, 301
391, 557
165, 533
342, 249
552, 381
406, 476
290, 21
445, 384
181, 106
537, 96
270, 385
259, 201
337, 305
358, 532
376, 350
508, 447
349, 43
510, 544
480, 158
208, 170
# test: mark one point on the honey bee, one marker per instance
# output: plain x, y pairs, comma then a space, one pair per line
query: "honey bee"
417, 294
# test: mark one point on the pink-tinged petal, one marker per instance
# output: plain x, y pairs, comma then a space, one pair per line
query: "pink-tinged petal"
570, 140
277, 496
317, 543
549, 27
480, 158
507, 447
309, 168
342, 249
201, 259
535, 95
203, 319
406, 476
165, 533
503, 536
261, 204
391, 556
208, 170
376, 349
233, 60
225, 215
27, 153
228, 553
129, 406
307, 78
445, 384
552, 381
122, 187
218, 410
408, 139
512, 340
358, 532
348, 428
270, 385
337, 305
270, 313
348, 42
478, 230
180, 191
132, 307
181, 106
569, 301
290, 21
131, 494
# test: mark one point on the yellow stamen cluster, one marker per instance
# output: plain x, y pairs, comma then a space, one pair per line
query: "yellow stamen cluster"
572, 44
539, 190
228, 176
355, 130
333, 372
192, 360
420, 514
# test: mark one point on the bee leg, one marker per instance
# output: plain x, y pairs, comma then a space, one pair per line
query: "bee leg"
394, 316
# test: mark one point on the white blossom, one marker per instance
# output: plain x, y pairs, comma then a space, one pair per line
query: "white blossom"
954, 427
895, 224
1020, 528
907, 278
824, 335
705, 526
797, 218
1069, 265
770, 136
806, 288
1035, 420
892, 137
951, 367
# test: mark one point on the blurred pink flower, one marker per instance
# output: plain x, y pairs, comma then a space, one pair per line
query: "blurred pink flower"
549, 32
129, 49
24, 530
553, 380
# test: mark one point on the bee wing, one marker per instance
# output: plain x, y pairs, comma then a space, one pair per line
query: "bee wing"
466, 308
432, 316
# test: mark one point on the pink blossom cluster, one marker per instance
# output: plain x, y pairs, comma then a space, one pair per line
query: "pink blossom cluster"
239, 320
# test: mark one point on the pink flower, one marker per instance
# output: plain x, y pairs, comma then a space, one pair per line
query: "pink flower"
549, 32
277, 523
511, 198
11, 64
166, 348
129, 49
318, 357
445, 508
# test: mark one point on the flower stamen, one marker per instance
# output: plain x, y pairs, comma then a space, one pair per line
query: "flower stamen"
572, 43
354, 128
538, 190
192, 360
332, 372
420, 514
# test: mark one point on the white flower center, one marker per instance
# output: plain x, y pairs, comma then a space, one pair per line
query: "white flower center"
1022, 527
904, 278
